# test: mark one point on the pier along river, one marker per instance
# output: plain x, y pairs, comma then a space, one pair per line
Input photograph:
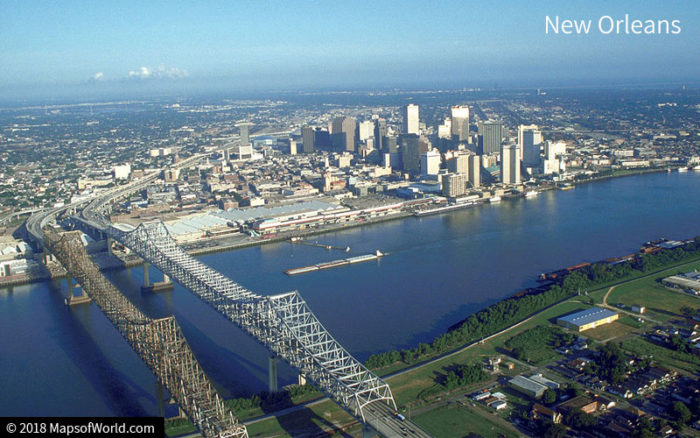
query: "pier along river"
61, 361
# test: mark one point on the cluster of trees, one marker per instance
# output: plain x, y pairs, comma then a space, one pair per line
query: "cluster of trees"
610, 364
477, 326
464, 375
511, 310
268, 401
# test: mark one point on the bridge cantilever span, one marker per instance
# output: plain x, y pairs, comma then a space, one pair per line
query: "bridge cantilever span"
160, 342
282, 323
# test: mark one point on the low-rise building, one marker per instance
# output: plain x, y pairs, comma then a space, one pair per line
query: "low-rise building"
587, 319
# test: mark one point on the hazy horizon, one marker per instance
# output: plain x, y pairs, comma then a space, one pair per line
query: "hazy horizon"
83, 50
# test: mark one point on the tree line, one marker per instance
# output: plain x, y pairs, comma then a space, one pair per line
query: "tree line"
509, 311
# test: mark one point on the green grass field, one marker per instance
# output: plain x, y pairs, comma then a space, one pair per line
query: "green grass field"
455, 420
609, 332
665, 356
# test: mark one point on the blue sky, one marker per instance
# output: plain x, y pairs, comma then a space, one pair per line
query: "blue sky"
295, 43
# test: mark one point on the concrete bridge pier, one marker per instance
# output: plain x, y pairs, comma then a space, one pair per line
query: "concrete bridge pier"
75, 299
158, 286
272, 374
146, 280
301, 379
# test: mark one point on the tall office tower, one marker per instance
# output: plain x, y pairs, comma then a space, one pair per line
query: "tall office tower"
365, 130
292, 146
474, 170
308, 138
459, 164
244, 132
460, 122
491, 136
390, 144
430, 162
227, 154
454, 184
529, 140
380, 132
510, 164
445, 130
410, 153
343, 133
411, 119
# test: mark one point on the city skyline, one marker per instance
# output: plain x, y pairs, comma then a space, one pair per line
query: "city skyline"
93, 48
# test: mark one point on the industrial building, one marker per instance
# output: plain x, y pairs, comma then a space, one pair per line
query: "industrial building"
587, 319
528, 386
690, 282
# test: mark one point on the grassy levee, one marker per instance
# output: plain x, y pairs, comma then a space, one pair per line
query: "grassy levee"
415, 384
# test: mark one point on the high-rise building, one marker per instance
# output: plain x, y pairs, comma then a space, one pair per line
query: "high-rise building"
410, 153
510, 164
308, 139
411, 123
474, 170
430, 162
530, 141
459, 163
380, 132
365, 130
454, 184
491, 136
343, 133
390, 144
445, 130
460, 122
244, 133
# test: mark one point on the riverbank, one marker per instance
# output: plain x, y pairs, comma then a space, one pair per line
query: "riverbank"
224, 244
410, 382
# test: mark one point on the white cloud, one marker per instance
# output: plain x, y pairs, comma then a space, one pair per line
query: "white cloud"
160, 72
99, 76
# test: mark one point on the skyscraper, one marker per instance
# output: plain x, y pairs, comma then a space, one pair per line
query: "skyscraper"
365, 130
529, 140
308, 139
430, 162
380, 132
510, 164
410, 153
491, 136
343, 133
459, 164
475, 170
411, 119
454, 184
460, 122
244, 133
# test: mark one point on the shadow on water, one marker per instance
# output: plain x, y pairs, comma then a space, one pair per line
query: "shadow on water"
116, 389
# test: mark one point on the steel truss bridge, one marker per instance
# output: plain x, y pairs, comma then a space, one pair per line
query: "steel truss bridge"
159, 342
282, 323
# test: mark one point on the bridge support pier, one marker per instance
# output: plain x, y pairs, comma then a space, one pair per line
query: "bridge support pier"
146, 280
301, 379
272, 374
73, 299
158, 286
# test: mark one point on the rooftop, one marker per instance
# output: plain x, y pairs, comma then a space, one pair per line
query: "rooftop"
587, 316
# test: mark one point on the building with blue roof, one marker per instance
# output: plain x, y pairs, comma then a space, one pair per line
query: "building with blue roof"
587, 319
